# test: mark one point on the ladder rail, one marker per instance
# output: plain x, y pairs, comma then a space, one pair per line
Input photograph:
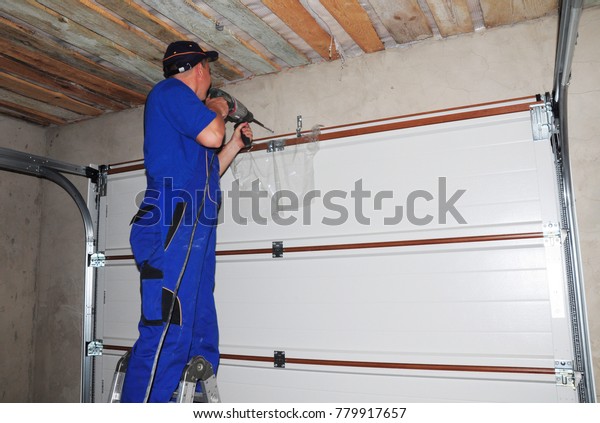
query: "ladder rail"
116, 386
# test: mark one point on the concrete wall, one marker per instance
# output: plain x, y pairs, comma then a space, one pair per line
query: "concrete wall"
20, 213
491, 65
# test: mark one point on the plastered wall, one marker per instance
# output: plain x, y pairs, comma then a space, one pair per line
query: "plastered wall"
487, 66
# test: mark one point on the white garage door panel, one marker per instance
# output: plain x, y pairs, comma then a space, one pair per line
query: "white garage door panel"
328, 385
122, 303
496, 305
122, 193
486, 349
498, 173
392, 304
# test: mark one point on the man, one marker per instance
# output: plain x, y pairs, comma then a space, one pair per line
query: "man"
173, 233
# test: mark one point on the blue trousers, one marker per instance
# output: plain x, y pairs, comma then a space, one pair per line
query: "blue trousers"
160, 250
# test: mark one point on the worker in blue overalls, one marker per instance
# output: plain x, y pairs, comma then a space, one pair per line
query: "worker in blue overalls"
173, 233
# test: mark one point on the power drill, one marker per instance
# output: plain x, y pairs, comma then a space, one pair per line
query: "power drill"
238, 113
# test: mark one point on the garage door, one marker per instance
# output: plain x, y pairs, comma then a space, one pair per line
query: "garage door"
410, 259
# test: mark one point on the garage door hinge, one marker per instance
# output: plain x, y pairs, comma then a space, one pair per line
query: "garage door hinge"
102, 181
97, 259
542, 121
553, 235
94, 348
565, 375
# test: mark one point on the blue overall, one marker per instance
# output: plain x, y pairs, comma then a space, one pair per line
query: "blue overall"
177, 168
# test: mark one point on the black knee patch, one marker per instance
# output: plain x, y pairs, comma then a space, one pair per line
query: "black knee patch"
167, 298
151, 287
177, 219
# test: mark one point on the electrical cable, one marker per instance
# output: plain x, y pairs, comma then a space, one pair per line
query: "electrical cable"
179, 279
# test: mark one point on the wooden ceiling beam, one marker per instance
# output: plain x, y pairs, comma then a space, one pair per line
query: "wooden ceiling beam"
9, 110
188, 16
356, 22
246, 20
100, 21
25, 38
404, 20
505, 12
140, 17
58, 99
294, 15
33, 107
146, 21
58, 83
451, 18
56, 25
55, 67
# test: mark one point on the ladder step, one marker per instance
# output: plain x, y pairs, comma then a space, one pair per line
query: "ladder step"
198, 370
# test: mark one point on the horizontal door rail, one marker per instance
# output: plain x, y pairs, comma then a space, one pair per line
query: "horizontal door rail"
125, 169
522, 104
380, 365
367, 245
405, 124
388, 244
401, 366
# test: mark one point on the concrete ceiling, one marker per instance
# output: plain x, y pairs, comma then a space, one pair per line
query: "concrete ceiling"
64, 61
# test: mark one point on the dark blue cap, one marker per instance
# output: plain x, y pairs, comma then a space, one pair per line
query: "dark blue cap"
184, 55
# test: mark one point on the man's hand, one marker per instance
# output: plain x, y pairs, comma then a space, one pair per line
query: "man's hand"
233, 147
218, 105
245, 130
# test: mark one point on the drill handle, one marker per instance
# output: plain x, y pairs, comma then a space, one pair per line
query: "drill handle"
247, 141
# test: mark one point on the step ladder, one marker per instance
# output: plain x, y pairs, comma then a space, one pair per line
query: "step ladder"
198, 370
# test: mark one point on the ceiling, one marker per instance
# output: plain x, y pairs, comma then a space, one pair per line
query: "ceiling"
64, 61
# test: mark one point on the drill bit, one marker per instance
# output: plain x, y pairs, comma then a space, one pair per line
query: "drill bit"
258, 123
